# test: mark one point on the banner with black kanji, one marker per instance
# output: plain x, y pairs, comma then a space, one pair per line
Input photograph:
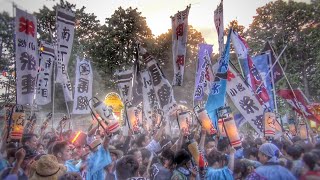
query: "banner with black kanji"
124, 81
83, 87
44, 81
245, 101
150, 101
179, 44
65, 34
26, 56
163, 89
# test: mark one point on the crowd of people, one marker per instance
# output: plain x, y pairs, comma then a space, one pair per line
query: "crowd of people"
99, 154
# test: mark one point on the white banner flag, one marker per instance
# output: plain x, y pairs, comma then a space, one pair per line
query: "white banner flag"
150, 102
245, 101
218, 21
83, 87
44, 82
240, 46
65, 34
27, 60
125, 85
162, 87
67, 88
179, 44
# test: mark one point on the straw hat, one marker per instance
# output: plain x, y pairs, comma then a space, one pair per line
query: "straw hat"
114, 150
48, 168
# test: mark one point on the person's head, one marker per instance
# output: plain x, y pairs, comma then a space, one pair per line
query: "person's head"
166, 143
11, 149
45, 140
210, 145
296, 139
142, 170
258, 142
127, 167
242, 168
48, 168
223, 145
51, 142
167, 158
142, 140
279, 144
115, 153
216, 159
145, 153
268, 152
252, 153
62, 151
30, 140
137, 154
182, 158
294, 152
317, 145
70, 176
310, 160
40, 148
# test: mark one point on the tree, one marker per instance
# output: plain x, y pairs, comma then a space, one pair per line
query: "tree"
296, 25
86, 28
7, 59
240, 29
114, 45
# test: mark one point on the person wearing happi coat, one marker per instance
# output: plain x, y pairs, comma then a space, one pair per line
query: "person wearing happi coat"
98, 159
271, 168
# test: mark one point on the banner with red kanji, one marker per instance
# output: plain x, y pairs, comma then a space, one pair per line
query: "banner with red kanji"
218, 21
26, 56
179, 44
299, 103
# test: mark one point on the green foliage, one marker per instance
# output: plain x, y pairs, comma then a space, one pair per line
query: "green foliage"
296, 25
6, 40
7, 58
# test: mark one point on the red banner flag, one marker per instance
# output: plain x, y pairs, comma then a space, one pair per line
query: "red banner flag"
298, 102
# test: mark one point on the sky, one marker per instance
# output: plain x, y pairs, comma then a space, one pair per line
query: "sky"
158, 12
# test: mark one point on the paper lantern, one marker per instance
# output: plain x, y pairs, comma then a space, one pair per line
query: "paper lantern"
206, 122
108, 120
223, 112
303, 132
133, 120
184, 119
103, 111
197, 155
17, 127
232, 131
269, 124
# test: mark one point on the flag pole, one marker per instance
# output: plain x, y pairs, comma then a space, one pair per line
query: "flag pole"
294, 94
54, 73
14, 46
273, 84
278, 58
